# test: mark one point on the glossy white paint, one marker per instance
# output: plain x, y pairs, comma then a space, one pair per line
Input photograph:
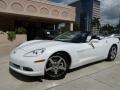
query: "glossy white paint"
81, 53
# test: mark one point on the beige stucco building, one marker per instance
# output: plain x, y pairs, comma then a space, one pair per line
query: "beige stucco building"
34, 11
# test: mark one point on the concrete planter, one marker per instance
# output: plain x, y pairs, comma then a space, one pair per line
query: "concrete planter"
19, 39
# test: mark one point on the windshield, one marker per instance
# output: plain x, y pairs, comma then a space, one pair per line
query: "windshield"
75, 37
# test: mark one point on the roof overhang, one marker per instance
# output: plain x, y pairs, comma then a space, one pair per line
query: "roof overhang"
38, 9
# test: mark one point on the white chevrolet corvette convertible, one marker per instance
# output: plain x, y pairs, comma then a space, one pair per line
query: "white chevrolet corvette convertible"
52, 58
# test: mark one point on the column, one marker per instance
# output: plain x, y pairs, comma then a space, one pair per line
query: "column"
71, 26
54, 27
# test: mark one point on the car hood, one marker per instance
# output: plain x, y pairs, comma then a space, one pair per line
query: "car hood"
38, 44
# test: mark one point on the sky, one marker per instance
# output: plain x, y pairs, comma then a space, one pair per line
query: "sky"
110, 10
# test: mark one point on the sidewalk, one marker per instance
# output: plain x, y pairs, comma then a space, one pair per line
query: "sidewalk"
6, 46
108, 79
101, 76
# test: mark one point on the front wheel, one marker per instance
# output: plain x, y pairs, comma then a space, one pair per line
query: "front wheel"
112, 53
56, 67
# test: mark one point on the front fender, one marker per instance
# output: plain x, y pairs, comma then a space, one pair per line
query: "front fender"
52, 50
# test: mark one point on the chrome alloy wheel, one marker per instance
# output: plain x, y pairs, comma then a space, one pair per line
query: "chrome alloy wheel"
113, 53
56, 67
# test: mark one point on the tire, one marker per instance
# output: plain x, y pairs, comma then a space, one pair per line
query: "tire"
56, 67
112, 53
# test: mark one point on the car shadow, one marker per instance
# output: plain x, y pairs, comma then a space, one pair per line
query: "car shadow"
25, 78
84, 66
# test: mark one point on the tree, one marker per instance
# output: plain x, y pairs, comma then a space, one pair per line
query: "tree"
118, 27
96, 23
20, 30
76, 26
107, 28
64, 29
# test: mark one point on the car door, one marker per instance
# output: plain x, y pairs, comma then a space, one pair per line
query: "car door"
99, 48
86, 53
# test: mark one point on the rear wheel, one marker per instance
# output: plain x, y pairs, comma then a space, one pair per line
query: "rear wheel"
56, 67
112, 53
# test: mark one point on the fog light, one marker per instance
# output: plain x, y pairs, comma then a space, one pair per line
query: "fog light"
27, 69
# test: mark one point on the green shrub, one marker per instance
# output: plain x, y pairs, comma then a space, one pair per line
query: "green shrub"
64, 29
20, 30
11, 35
76, 27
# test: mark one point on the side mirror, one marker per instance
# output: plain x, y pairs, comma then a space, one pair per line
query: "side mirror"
91, 44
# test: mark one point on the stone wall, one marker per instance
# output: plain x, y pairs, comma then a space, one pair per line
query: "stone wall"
19, 39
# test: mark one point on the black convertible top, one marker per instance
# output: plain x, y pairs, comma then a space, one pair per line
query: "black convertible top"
73, 37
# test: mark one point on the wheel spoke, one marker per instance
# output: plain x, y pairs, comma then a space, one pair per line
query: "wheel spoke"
51, 61
114, 54
56, 71
112, 57
59, 61
113, 49
62, 68
49, 69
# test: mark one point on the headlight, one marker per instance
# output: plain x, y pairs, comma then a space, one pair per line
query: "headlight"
35, 53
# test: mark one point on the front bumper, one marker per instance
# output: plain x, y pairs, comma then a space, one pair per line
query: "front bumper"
27, 73
26, 65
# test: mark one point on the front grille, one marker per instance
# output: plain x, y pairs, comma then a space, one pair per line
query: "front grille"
15, 65
27, 69
21, 67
